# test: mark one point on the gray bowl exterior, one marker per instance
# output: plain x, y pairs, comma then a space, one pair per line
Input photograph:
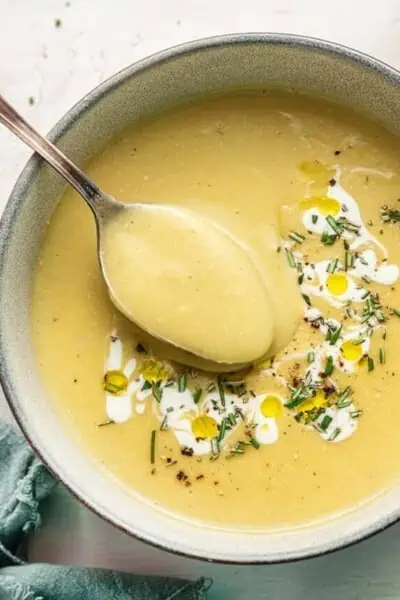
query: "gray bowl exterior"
283, 61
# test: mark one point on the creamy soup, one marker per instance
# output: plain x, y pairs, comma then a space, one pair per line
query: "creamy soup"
312, 193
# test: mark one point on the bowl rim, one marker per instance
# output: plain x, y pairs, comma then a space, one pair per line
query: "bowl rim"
28, 174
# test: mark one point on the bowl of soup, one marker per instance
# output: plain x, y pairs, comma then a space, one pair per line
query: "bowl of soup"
291, 145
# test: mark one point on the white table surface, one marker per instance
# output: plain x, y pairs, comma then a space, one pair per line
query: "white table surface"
57, 66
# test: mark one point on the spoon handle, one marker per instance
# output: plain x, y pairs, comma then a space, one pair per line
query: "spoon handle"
49, 152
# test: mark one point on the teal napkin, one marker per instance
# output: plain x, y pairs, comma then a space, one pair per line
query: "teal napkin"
24, 482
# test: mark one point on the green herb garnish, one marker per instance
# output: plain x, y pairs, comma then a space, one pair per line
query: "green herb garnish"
290, 258
222, 429
221, 391
164, 423
329, 366
296, 237
356, 413
334, 434
343, 398
335, 225
153, 447
109, 422
147, 385
390, 215
157, 391
307, 299
182, 382
326, 421
382, 355
335, 335
197, 395
327, 239
332, 266
254, 443
310, 357
371, 364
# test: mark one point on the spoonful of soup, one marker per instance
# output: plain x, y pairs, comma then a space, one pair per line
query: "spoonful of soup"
176, 274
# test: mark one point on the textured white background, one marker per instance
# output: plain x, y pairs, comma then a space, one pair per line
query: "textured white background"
57, 66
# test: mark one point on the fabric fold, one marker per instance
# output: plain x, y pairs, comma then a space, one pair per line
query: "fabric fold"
24, 482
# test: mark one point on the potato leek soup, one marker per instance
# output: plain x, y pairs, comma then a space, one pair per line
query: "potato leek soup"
312, 194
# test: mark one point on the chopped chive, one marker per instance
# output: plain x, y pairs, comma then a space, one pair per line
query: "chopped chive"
346, 245
333, 224
363, 261
332, 266
314, 219
164, 423
329, 366
197, 395
310, 357
356, 413
141, 349
335, 434
290, 258
153, 447
346, 261
232, 419
146, 385
221, 391
254, 443
327, 239
326, 421
382, 355
371, 364
306, 299
384, 333
169, 383
211, 387
214, 449
182, 382
296, 237
157, 391
390, 215
335, 335
222, 430
300, 279
109, 422
343, 398
365, 295
366, 278
396, 312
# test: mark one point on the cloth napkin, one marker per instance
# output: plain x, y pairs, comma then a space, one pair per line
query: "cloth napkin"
24, 482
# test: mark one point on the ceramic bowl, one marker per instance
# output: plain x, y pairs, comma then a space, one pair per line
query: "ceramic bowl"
268, 60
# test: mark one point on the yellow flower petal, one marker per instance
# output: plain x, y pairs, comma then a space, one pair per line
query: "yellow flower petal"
115, 382
271, 407
204, 427
325, 205
337, 284
313, 402
352, 352
155, 370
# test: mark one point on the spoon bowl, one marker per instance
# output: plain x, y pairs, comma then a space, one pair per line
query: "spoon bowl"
202, 257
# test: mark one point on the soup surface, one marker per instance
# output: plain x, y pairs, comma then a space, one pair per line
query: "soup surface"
308, 432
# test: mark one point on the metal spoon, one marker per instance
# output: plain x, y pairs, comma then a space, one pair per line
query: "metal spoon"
104, 208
